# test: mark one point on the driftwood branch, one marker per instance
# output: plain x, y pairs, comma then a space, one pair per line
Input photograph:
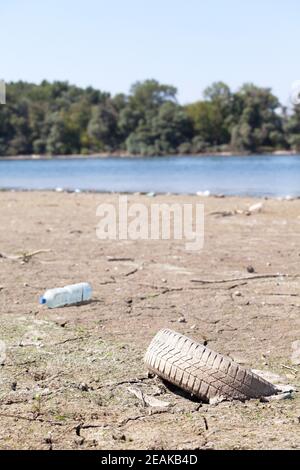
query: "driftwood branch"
117, 260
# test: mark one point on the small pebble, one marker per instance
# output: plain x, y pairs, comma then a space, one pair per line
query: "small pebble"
79, 440
83, 387
237, 294
181, 320
119, 437
14, 386
48, 440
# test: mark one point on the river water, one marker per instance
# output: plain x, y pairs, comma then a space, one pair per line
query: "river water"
258, 175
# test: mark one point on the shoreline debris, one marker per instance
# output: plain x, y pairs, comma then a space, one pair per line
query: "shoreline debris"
204, 373
68, 295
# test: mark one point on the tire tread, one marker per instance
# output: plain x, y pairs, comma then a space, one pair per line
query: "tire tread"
201, 371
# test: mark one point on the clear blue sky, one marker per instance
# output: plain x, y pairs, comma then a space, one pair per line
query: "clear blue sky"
110, 44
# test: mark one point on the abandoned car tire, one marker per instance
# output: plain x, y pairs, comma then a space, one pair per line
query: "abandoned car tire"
201, 371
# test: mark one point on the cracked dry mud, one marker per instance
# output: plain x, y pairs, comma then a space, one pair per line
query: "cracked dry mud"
65, 373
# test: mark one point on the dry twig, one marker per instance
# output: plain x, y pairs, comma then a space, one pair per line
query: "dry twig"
249, 278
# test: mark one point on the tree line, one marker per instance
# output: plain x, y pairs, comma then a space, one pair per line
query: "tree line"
62, 119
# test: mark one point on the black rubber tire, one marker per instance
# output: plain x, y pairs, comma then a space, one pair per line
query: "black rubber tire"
201, 371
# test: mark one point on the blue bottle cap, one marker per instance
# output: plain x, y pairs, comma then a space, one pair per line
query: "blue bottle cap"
42, 300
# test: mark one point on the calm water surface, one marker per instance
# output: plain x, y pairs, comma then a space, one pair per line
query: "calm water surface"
245, 175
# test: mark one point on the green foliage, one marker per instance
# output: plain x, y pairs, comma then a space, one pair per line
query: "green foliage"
160, 132
258, 125
59, 118
248, 120
208, 122
102, 127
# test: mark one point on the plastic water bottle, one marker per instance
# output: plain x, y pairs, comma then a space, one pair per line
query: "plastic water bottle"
68, 295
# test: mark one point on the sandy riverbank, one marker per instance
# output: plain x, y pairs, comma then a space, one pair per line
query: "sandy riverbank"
66, 372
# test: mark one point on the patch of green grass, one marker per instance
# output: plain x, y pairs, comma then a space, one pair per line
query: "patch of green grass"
60, 418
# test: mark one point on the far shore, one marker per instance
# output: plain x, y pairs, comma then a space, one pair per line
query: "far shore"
278, 153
